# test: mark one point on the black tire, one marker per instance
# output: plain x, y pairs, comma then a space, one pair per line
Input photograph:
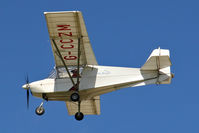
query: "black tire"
40, 110
74, 97
79, 116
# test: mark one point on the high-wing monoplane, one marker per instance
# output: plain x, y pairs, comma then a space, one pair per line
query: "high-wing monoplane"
77, 79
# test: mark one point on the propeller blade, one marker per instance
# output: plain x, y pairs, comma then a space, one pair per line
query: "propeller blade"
27, 99
27, 92
27, 79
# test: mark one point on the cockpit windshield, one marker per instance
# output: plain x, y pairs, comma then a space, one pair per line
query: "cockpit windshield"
62, 73
53, 74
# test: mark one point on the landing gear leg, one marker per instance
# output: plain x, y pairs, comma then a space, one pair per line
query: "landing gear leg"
40, 110
79, 115
44, 96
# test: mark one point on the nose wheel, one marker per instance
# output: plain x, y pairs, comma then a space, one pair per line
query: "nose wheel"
40, 110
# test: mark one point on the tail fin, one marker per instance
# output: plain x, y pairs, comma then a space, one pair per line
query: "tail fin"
159, 60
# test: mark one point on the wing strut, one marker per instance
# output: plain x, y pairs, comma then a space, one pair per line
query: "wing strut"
78, 61
79, 39
59, 54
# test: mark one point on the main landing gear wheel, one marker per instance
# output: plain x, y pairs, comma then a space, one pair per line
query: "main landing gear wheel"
40, 110
79, 116
74, 97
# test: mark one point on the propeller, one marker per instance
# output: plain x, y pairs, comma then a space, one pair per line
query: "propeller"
27, 87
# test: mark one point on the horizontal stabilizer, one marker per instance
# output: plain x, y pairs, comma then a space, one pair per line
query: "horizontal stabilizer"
158, 59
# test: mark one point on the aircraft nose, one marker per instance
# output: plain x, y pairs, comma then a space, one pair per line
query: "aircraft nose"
26, 86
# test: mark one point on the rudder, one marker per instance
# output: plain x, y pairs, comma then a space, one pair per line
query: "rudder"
159, 61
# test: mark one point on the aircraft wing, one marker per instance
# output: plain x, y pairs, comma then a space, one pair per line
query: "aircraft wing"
88, 107
65, 28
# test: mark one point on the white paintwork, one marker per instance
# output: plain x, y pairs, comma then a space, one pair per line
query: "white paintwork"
95, 80
158, 59
101, 77
98, 80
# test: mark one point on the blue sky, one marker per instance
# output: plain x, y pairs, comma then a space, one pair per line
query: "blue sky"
122, 33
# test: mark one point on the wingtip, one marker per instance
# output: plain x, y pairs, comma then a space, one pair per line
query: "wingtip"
61, 12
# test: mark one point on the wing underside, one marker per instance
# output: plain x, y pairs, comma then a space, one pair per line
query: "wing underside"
88, 107
66, 29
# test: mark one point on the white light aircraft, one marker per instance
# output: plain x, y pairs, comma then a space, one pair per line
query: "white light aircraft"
77, 79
